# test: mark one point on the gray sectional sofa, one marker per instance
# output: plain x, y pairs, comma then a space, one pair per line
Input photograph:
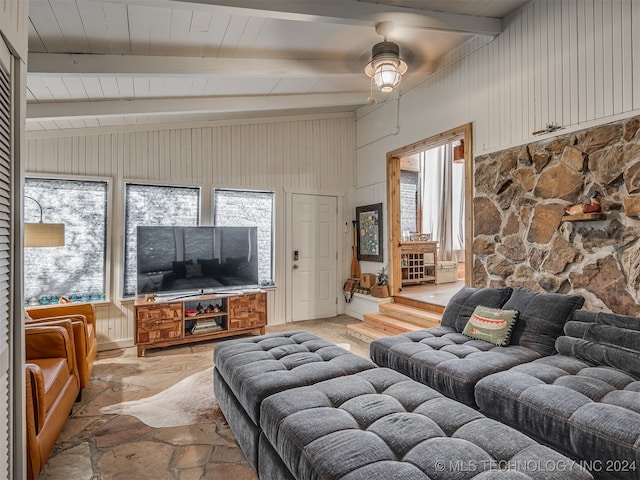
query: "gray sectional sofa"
302, 408
452, 363
585, 401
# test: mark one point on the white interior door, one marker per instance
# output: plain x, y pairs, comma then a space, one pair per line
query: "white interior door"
314, 257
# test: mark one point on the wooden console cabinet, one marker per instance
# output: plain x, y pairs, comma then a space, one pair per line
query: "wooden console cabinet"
418, 262
163, 323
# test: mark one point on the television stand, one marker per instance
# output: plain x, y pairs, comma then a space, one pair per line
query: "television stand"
163, 322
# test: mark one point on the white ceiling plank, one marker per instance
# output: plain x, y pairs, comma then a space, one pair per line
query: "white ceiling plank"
140, 20
198, 86
109, 87
109, 108
68, 17
247, 41
45, 24
141, 87
232, 34
156, 86
125, 87
91, 86
75, 87
179, 32
117, 19
95, 26
346, 11
177, 86
35, 44
72, 64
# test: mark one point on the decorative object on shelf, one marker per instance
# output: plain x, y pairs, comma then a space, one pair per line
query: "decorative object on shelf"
367, 280
386, 67
551, 127
369, 218
588, 211
420, 237
381, 288
458, 153
355, 266
200, 308
191, 313
150, 297
43, 234
349, 288
591, 206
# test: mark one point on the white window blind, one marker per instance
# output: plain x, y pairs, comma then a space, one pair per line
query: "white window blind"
76, 270
147, 205
249, 208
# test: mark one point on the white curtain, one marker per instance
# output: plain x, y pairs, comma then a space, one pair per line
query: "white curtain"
443, 201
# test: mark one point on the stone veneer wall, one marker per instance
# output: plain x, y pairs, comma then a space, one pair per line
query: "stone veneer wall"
519, 200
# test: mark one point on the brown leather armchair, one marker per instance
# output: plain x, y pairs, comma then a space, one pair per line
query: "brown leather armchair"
52, 386
83, 318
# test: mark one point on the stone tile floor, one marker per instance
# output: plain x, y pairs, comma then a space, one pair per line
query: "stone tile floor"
93, 446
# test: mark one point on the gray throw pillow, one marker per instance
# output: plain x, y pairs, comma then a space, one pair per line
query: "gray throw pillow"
463, 303
541, 319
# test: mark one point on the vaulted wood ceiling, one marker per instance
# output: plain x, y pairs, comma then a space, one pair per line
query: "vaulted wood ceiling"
96, 63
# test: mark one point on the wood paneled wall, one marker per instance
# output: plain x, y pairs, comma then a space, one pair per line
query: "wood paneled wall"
312, 154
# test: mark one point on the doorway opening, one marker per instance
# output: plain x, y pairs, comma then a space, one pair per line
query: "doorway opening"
430, 185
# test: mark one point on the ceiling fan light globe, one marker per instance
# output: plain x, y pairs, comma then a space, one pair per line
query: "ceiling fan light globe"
386, 77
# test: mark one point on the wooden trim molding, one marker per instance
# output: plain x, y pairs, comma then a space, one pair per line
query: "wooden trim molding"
394, 161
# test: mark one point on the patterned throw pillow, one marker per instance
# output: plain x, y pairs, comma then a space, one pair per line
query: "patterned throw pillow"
491, 325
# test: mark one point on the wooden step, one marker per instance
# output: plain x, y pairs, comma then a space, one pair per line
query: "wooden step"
364, 332
423, 318
389, 325
432, 307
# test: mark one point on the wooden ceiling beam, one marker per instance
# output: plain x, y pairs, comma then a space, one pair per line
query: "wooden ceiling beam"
90, 64
347, 12
105, 108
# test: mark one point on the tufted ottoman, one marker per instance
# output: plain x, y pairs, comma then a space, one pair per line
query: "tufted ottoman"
302, 408
380, 425
248, 370
452, 363
585, 401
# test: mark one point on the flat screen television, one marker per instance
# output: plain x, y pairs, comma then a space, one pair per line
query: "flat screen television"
196, 259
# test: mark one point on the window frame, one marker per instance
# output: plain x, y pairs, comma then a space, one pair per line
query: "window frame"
273, 220
147, 183
109, 226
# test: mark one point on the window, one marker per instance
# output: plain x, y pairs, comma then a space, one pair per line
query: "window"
76, 270
247, 208
154, 205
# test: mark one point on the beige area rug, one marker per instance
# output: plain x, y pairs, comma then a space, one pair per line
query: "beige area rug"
188, 402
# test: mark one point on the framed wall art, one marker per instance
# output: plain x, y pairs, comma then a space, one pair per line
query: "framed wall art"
369, 218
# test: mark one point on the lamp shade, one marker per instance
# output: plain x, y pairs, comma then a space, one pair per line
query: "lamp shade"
44, 234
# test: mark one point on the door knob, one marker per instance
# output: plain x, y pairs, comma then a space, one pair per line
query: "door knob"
295, 266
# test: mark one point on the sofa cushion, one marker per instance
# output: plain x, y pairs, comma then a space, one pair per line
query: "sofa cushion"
491, 325
379, 424
56, 376
590, 412
446, 360
603, 339
463, 303
541, 318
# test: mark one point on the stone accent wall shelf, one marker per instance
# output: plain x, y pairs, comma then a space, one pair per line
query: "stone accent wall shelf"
584, 217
